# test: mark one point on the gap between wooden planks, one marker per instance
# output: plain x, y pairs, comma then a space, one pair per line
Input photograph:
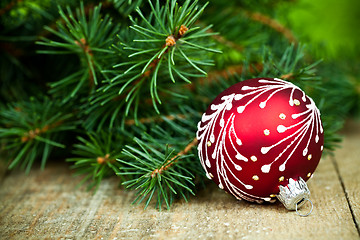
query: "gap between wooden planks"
347, 165
47, 205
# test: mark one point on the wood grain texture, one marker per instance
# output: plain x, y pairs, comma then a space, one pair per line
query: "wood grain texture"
347, 161
47, 205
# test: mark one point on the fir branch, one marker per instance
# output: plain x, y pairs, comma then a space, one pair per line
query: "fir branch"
34, 133
87, 36
289, 67
173, 159
165, 39
292, 66
176, 180
162, 164
88, 8
32, 129
97, 156
125, 7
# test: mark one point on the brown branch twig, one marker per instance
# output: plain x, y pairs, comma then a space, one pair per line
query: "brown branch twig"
215, 76
272, 23
11, 49
287, 76
169, 42
266, 20
212, 77
30, 135
105, 159
231, 71
169, 163
226, 42
87, 51
221, 39
130, 122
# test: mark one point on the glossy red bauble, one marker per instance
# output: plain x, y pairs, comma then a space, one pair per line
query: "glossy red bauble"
258, 134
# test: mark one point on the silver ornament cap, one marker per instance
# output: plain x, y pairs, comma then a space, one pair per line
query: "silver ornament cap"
294, 195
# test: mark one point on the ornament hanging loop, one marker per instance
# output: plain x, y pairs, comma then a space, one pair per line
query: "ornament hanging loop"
307, 214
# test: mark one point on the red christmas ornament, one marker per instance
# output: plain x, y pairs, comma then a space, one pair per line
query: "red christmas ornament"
260, 139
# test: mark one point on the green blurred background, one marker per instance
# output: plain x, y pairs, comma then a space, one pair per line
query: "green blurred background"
331, 26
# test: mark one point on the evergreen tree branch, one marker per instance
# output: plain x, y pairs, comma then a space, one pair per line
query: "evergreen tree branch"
87, 36
125, 7
175, 181
165, 47
32, 129
161, 163
33, 133
88, 9
175, 158
96, 156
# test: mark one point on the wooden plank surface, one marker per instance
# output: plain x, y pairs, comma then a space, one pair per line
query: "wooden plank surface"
347, 163
47, 205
